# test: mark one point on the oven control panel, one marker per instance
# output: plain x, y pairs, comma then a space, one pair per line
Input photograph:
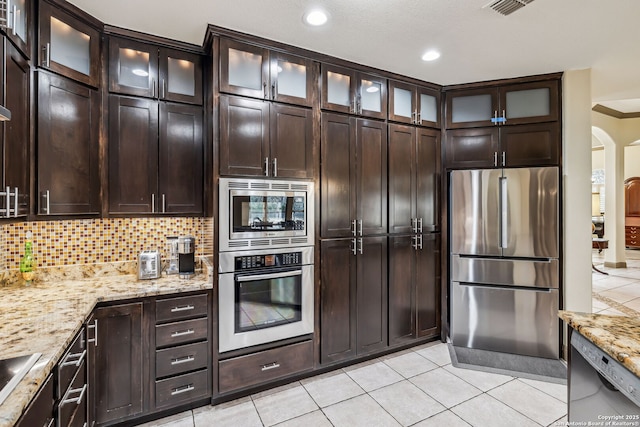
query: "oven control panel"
251, 262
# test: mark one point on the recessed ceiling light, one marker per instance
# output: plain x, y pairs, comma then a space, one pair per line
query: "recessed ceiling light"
316, 18
431, 55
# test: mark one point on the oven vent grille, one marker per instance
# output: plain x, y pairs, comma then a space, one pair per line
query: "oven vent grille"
507, 7
280, 241
238, 184
260, 185
265, 242
299, 240
238, 244
303, 187
280, 186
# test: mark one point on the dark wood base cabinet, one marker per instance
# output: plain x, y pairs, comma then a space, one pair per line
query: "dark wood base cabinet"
264, 366
40, 411
353, 304
414, 283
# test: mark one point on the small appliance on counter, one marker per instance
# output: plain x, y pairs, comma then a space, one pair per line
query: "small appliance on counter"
172, 265
186, 256
149, 266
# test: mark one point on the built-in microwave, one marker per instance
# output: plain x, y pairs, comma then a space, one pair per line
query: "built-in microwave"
261, 213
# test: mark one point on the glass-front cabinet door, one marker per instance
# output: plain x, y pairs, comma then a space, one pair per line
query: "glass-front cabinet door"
69, 46
180, 76
338, 89
291, 79
351, 92
133, 68
244, 69
530, 102
472, 108
18, 15
372, 96
402, 102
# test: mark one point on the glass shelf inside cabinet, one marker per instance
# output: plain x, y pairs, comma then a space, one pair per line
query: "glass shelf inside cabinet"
70, 47
134, 68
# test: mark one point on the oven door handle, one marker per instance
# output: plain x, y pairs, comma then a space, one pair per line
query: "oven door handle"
253, 277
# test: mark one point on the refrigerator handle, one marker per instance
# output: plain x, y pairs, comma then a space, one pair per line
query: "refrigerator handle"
504, 230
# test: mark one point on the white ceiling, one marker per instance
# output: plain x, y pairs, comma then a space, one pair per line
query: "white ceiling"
476, 43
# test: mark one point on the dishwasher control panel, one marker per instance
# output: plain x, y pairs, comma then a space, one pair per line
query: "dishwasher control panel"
609, 368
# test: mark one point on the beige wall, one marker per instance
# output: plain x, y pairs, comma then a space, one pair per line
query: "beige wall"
597, 159
632, 160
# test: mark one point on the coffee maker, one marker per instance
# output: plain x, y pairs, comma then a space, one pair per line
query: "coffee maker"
186, 256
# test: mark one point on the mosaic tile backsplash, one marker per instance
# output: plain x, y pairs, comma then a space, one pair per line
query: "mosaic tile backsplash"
90, 241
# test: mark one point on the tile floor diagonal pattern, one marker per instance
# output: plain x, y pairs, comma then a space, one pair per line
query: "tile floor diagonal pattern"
418, 387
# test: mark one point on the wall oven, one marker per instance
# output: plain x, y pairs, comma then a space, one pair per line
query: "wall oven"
261, 213
264, 296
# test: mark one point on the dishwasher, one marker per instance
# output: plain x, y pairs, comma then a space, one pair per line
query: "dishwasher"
600, 388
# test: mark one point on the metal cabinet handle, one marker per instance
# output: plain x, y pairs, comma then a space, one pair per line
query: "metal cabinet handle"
15, 202
46, 62
360, 245
182, 308
94, 340
153, 203
164, 89
352, 106
266, 166
414, 224
354, 249
504, 158
495, 117
76, 363
180, 360
414, 242
46, 208
264, 89
153, 88
182, 333
7, 202
495, 158
353, 227
76, 400
52, 421
275, 166
14, 20
359, 106
360, 227
164, 203
183, 389
504, 117
272, 365
419, 222
419, 118
273, 90
414, 116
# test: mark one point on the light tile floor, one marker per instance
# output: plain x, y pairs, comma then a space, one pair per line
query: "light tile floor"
417, 387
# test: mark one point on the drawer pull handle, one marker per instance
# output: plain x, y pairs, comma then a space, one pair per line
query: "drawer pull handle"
78, 362
183, 389
182, 308
269, 366
78, 399
185, 359
182, 333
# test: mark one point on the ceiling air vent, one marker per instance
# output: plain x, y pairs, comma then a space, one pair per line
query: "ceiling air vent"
507, 7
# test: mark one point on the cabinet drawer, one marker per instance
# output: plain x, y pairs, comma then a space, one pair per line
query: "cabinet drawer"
181, 308
71, 362
181, 332
245, 371
181, 389
40, 410
72, 404
176, 360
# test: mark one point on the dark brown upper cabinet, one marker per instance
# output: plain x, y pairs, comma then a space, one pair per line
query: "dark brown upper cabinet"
509, 146
414, 179
67, 147
259, 138
353, 92
15, 141
141, 69
68, 46
414, 104
19, 15
257, 72
514, 104
353, 177
155, 157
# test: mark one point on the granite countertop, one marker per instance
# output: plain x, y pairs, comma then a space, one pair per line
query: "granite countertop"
45, 317
618, 336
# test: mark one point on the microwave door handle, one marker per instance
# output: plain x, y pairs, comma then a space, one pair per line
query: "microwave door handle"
252, 277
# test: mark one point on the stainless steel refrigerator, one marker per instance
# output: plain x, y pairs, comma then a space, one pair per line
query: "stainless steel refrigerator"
505, 280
